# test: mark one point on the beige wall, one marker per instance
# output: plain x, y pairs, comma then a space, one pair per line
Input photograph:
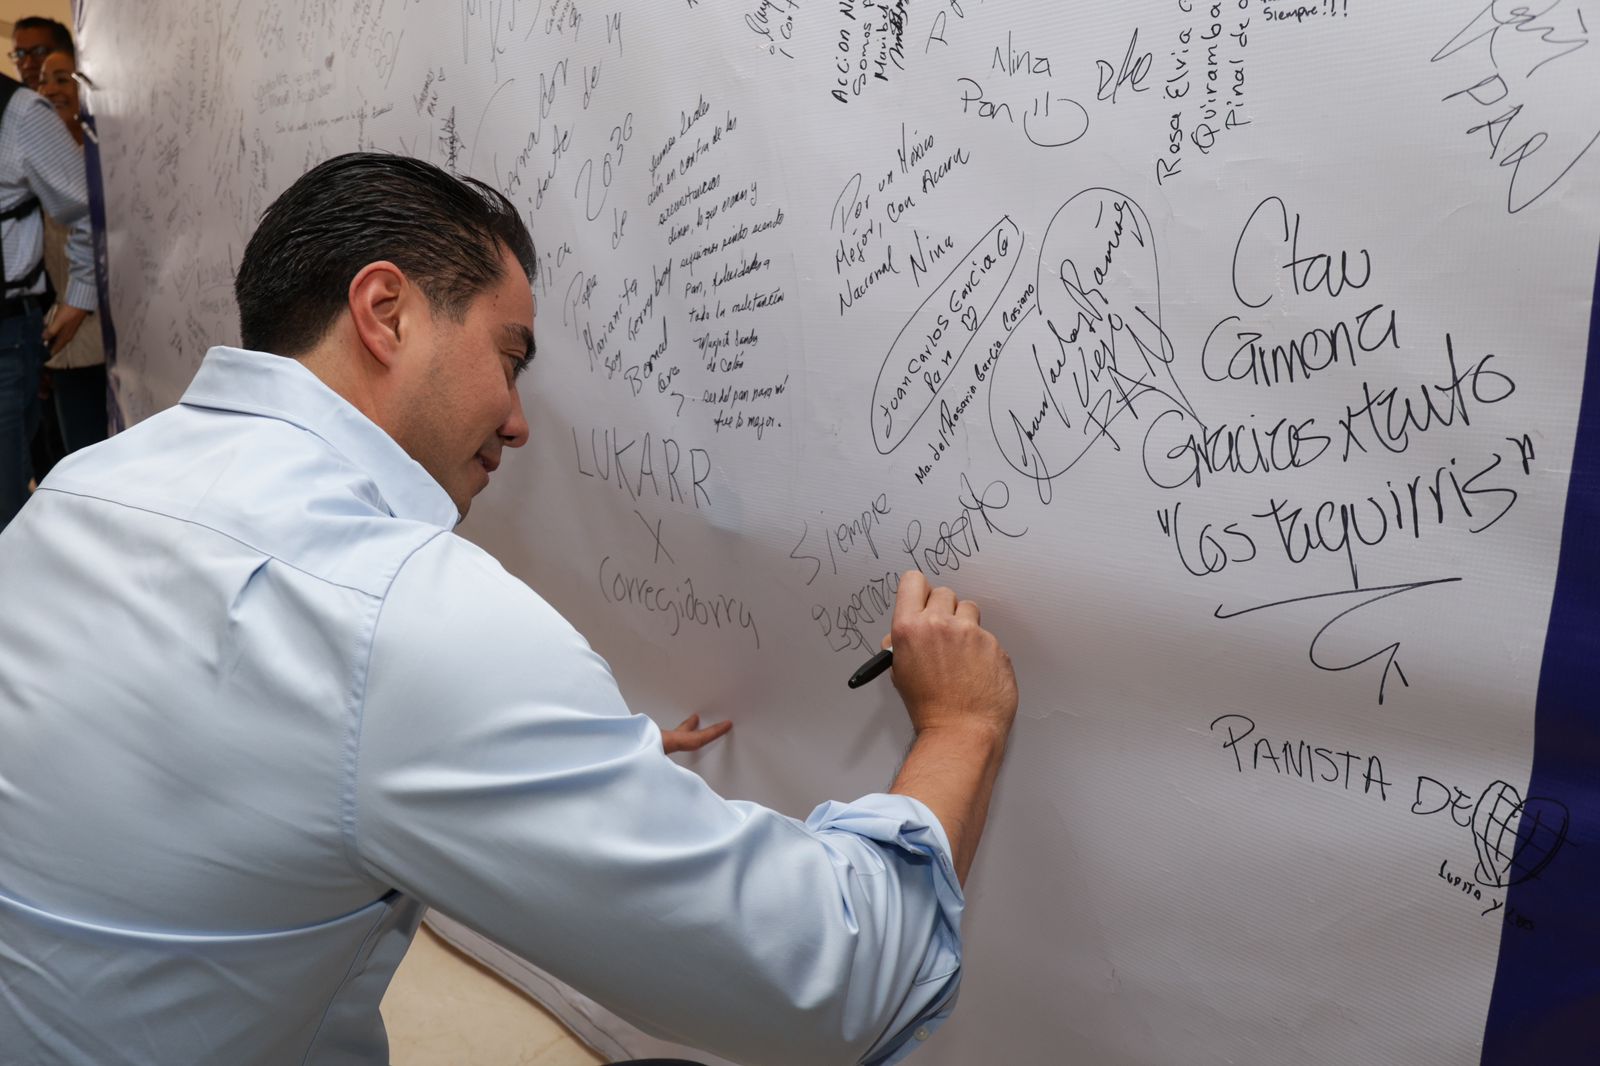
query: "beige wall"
11, 10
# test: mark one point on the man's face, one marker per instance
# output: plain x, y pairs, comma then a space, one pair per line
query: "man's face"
468, 409
37, 44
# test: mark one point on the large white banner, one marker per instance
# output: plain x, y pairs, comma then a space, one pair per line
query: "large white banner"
1230, 354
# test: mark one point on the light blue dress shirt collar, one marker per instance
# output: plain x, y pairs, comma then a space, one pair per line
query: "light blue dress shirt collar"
275, 386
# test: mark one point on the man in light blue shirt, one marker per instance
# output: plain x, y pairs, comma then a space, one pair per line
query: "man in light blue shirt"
277, 708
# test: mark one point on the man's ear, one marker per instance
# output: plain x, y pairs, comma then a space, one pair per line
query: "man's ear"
382, 309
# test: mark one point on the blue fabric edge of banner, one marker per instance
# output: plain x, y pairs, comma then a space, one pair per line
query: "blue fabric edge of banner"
102, 257
1545, 1006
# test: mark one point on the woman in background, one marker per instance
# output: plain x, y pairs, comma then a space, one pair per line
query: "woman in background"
78, 370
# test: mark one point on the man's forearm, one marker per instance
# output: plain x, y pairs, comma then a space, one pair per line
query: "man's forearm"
952, 771
81, 292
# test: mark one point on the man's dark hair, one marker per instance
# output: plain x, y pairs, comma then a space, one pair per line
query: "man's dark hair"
61, 37
444, 232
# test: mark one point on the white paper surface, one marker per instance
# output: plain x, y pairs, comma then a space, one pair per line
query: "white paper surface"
1228, 354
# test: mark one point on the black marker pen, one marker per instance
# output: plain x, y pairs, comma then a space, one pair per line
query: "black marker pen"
872, 668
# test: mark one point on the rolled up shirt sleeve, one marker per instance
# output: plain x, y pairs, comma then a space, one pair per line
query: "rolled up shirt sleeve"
912, 836
497, 774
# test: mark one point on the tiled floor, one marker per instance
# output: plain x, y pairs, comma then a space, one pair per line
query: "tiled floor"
443, 1009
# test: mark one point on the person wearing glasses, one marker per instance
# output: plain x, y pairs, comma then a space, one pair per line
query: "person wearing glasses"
32, 39
41, 172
